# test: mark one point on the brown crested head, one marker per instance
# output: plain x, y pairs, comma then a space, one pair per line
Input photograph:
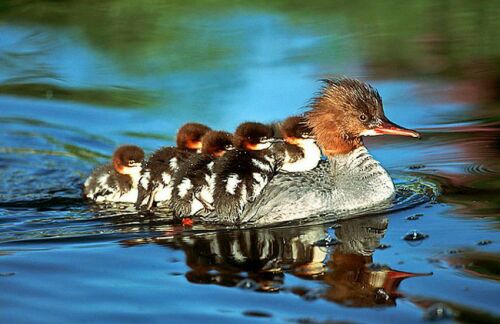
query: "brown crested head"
189, 136
253, 136
216, 143
344, 111
295, 128
126, 157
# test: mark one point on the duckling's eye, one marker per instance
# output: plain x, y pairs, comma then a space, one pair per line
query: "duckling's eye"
363, 117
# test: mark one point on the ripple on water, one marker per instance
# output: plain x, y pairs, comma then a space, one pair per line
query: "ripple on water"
63, 216
479, 169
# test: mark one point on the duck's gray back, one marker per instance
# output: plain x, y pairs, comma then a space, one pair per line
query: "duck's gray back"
338, 186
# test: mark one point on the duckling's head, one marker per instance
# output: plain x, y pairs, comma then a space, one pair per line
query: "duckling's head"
216, 143
295, 130
127, 159
189, 136
253, 136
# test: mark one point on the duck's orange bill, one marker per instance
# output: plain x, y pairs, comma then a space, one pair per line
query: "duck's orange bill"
193, 145
389, 128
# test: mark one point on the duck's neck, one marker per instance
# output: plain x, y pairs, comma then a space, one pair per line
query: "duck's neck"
352, 162
346, 155
333, 145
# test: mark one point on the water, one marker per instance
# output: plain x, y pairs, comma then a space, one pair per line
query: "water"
79, 78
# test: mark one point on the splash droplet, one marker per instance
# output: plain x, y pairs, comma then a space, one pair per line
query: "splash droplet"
438, 312
484, 242
329, 240
248, 284
7, 274
252, 313
381, 295
326, 242
414, 217
415, 236
313, 294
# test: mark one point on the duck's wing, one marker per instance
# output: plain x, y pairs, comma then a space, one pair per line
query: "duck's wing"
291, 196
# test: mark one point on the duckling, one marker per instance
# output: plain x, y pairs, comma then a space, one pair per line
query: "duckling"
240, 175
193, 183
117, 181
155, 184
301, 152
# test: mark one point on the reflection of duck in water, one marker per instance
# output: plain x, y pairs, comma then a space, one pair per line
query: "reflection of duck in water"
351, 179
352, 278
267, 254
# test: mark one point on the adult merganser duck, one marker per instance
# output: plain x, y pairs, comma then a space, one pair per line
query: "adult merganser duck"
117, 181
350, 180
240, 175
301, 151
156, 180
193, 183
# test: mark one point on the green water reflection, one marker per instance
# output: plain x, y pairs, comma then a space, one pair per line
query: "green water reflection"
399, 39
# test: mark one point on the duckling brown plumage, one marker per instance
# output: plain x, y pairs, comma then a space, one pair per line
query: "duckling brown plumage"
118, 180
193, 183
156, 179
240, 175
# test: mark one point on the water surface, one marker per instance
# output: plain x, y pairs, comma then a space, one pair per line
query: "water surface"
79, 78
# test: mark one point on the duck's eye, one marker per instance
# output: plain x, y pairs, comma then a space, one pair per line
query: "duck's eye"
363, 117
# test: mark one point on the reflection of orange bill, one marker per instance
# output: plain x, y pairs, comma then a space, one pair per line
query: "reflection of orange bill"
394, 277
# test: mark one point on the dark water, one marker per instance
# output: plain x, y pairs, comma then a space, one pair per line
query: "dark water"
78, 78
